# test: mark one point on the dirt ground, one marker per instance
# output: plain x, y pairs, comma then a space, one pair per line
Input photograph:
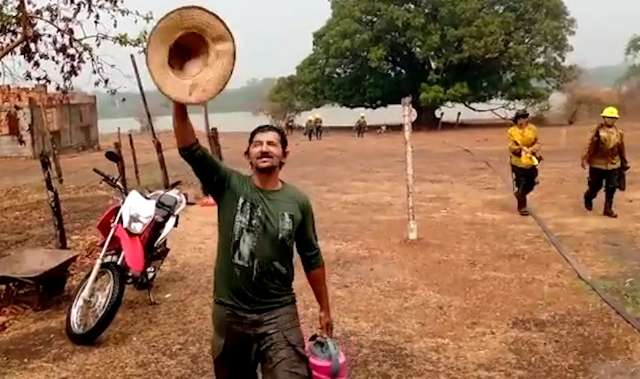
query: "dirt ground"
481, 294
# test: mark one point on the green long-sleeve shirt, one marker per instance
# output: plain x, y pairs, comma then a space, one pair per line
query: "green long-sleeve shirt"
257, 230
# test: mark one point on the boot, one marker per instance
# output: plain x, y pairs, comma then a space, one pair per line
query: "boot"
608, 207
522, 204
588, 201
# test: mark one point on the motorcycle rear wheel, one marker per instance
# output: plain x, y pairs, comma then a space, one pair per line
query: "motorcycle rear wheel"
107, 305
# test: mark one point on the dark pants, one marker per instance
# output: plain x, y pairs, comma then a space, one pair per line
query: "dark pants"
272, 339
310, 133
360, 133
599, 178
318, 133
524, 179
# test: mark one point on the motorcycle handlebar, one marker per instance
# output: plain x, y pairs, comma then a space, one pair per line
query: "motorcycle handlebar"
109, 179
105, 176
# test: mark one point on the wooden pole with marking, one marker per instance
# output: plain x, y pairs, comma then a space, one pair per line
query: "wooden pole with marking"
135, 159
412, 224
156, 142
53, 199
54, 148
121, 168
212, 135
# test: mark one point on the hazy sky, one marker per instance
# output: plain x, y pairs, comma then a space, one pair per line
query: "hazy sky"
274, 36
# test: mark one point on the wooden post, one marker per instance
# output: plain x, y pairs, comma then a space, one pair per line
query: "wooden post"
214, 139
412, 225
56, 161
135, 159
212, 135
458, 120
54, 202
121, 168
156, 142
54, 147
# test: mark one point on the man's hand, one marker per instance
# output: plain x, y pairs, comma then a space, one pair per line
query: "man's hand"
326, 323
583, 164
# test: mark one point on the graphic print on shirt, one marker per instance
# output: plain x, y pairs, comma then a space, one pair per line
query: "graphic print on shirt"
247, 227
285, 227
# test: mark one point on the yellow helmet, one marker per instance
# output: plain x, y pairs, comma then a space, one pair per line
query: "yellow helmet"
317, 116
610, 112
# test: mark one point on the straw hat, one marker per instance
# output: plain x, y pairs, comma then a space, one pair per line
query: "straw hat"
191, 55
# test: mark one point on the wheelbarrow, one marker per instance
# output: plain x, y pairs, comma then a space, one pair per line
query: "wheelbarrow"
45, 270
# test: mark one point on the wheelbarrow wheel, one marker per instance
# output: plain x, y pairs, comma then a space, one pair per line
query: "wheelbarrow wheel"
87, 320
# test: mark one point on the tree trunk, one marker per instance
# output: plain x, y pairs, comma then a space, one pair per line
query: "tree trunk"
426, 116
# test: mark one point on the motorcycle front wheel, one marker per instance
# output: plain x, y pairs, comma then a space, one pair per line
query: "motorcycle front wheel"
88, 319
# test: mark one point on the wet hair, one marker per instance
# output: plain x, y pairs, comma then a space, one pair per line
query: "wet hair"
284, 142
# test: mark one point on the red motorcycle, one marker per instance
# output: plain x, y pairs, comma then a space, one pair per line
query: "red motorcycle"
134, 246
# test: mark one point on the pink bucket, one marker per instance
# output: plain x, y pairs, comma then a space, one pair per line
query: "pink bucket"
325, 359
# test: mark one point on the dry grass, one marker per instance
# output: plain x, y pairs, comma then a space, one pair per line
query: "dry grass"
481, 295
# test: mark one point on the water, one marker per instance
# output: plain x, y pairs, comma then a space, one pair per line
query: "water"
245, 121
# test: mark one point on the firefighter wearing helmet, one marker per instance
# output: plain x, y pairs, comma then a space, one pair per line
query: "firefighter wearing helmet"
606, 158
318, 126
524, 149
309, 127
361, 126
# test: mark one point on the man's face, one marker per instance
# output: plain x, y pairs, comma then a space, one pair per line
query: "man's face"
610, 121
265, 152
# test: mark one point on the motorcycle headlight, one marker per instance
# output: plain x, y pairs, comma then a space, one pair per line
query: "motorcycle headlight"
137, 212
134, 223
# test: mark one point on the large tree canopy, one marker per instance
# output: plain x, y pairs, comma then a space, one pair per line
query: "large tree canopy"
372, 53
64, 37
633, 56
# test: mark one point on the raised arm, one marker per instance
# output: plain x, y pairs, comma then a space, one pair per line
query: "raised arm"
213, 175
185, 135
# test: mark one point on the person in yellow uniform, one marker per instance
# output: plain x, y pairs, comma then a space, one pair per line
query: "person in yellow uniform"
309, 127
606, 157
524, 148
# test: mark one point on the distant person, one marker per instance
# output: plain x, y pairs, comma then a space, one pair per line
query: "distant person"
309, 128
290, 125
318, 126
361, 126
382, 129
260, 220
606, 157
525, 157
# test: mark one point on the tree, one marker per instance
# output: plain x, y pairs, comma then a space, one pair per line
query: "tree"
66, 34
372, 53
283, 101
632, 54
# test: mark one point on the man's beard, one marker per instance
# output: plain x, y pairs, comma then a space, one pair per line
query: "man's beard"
266, 169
